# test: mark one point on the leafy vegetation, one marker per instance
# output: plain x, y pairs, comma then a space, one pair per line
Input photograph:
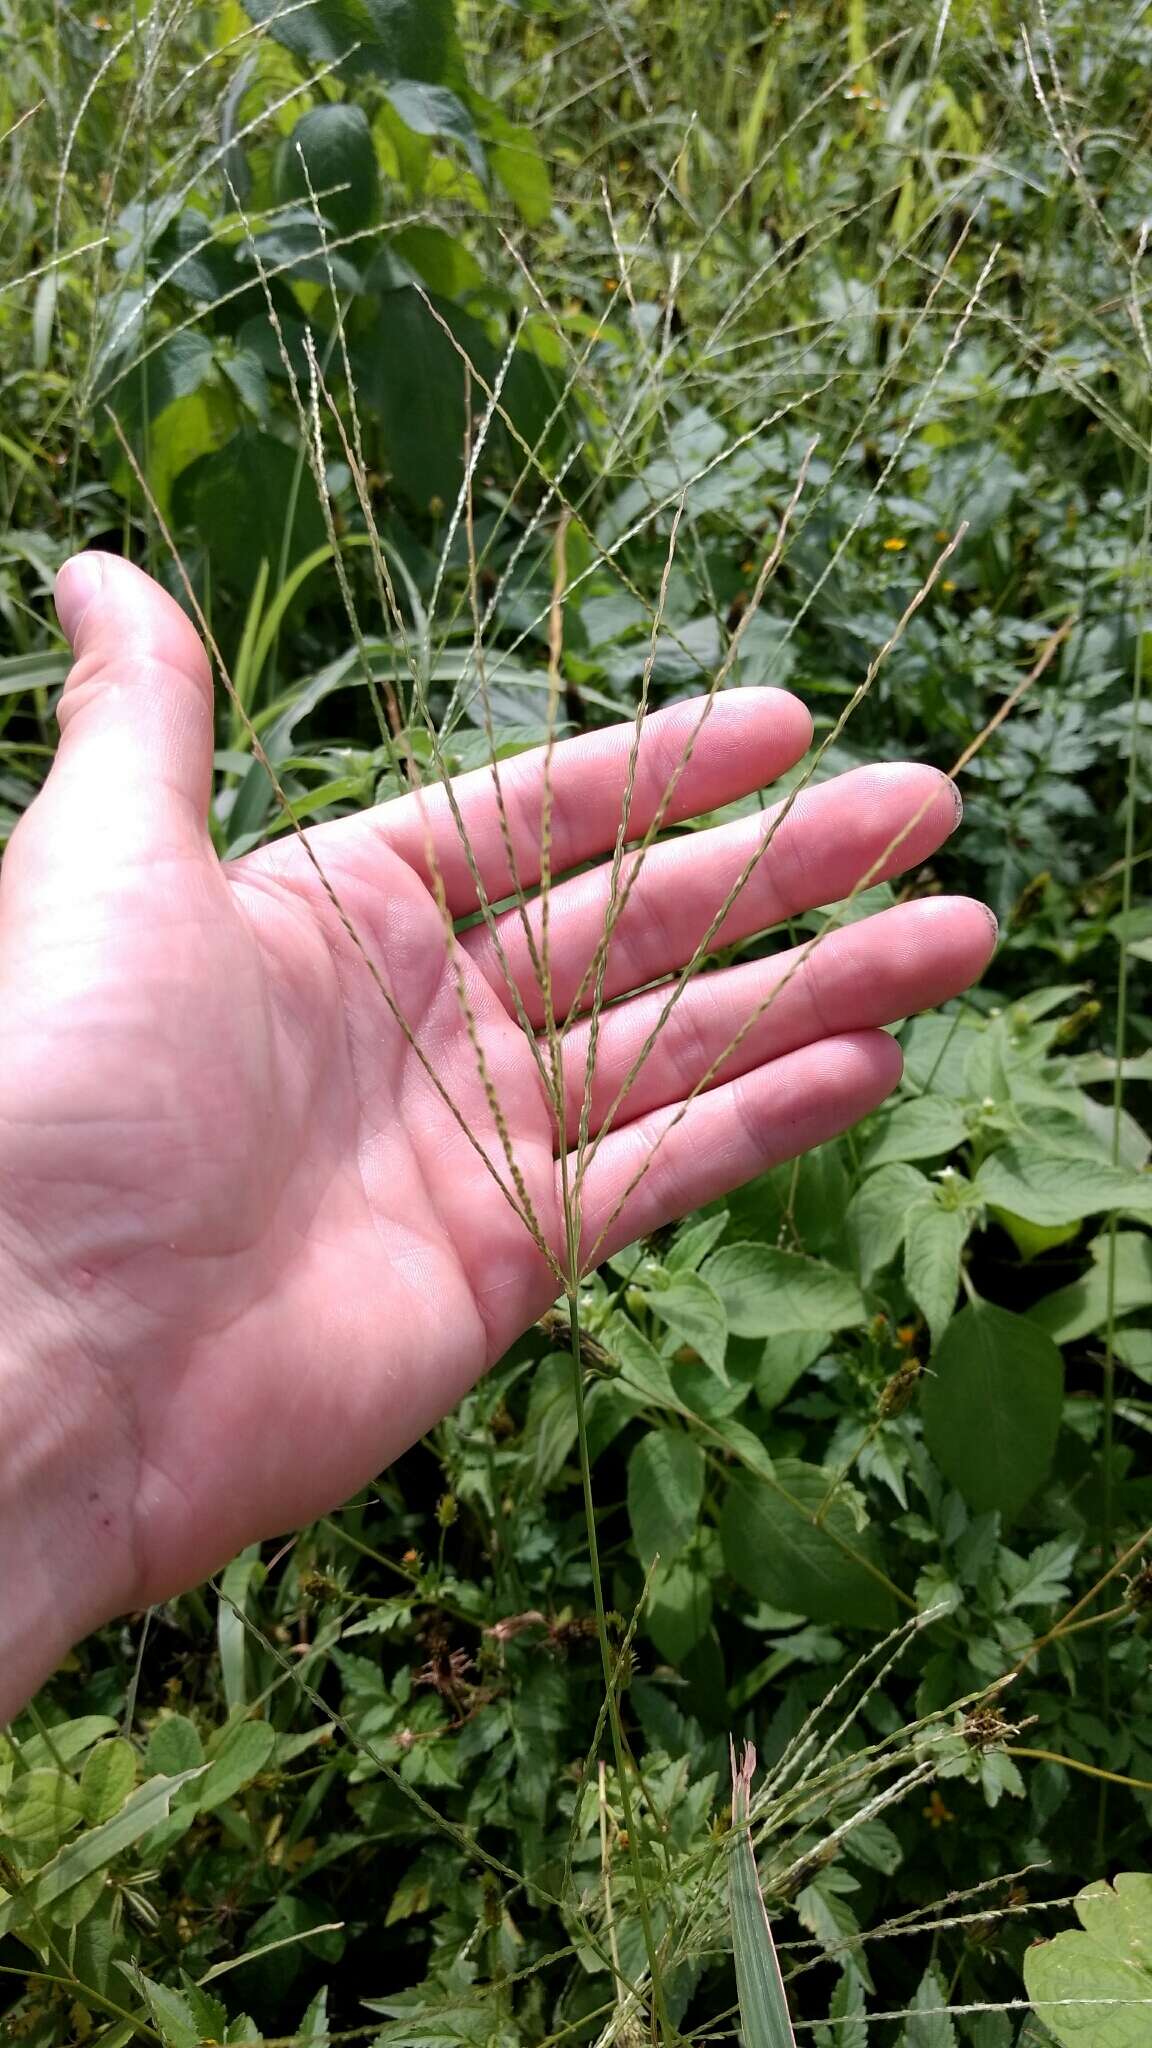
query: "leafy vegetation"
702, 344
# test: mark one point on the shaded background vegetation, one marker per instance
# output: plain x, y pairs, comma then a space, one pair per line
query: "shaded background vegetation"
685, 245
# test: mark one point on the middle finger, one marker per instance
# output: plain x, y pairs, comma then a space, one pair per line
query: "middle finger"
836, 833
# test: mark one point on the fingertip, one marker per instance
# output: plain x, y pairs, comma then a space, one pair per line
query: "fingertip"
780, 711
78, 583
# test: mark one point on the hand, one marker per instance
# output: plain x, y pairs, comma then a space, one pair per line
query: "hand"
248, 1251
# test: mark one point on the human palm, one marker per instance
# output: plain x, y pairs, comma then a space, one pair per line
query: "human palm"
249, 1168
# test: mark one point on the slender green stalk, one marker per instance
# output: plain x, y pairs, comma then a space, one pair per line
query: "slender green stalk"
611, 1675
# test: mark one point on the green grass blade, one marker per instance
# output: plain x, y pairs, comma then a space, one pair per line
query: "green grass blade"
764, 2021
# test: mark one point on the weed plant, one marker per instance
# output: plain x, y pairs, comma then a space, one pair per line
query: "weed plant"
474, 382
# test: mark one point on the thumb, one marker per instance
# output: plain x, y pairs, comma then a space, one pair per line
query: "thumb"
122, 817
136, 727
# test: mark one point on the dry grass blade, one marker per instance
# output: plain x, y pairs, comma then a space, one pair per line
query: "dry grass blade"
764, 2020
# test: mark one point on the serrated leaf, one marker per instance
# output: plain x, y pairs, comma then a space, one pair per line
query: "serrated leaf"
1120, 1289
764, 1291
764, 2019
550, 1425
775, 1547
1048, 1190
1041, 1578
933, 1242
665, 1489
992, 1407
847, 2009
171, 2013
694, 1313
925, 1128
878, 1212
679, 1608
929, 2024
1109, 1962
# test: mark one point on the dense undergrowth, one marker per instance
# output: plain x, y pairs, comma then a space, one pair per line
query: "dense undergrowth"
866, 1440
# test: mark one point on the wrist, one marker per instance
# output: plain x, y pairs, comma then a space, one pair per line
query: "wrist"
65, 1536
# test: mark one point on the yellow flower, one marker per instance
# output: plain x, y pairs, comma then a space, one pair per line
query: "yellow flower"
893, 546
947, 586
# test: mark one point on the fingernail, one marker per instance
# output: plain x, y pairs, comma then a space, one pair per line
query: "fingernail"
959, 803
993, 920
77, 583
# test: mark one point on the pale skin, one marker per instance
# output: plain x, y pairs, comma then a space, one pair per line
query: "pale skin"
248, 1254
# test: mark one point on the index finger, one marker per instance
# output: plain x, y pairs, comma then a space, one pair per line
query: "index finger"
739, 740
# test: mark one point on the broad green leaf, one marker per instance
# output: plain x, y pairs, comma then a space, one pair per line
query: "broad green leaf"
992, 1407
387, 38
1111, 1961
1048, 1190
139, 392
109, 1775
41, 1808
258, 504
67, 1740
516, 161
924, 1128
642, 1369
878, 1214
412, 375
933, 1243
694, 1313
174, 1746
447, 267
665, 1489
550, 1426
936, 1049
1074, 1312
775, 1547
679, 1607
434, 110
694, 1241
765, 1291
786, 1358
242, 1753
143, 1812
336, 144
764, 2020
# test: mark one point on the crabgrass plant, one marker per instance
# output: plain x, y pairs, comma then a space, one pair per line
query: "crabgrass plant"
354, 267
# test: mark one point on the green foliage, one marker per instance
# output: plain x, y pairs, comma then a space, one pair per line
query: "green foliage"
1110, 1961
635, 263
992, 1409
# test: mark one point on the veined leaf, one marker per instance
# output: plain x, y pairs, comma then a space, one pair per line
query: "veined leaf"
94, 1850
764, 2021
1110, 1962
933, 1243
790, 1544
665, 1488
765, 1290
992, 1407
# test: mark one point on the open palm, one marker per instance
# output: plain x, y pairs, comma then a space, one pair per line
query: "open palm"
248, 1161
